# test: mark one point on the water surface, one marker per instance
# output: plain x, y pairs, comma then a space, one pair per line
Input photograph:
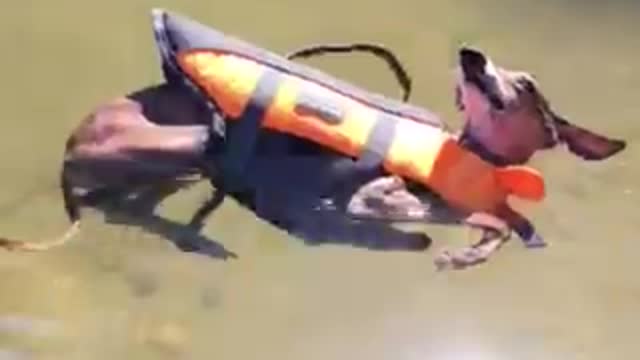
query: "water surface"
122, 292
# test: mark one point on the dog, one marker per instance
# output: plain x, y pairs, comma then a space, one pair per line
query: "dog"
163, 133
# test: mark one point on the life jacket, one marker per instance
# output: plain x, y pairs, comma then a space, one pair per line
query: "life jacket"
249, 84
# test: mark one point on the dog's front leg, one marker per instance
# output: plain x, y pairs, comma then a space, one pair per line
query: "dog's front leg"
522, 226
387, 199
495, 232
390, 199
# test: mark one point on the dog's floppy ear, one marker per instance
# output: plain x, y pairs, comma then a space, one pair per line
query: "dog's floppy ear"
585, 143
580, 141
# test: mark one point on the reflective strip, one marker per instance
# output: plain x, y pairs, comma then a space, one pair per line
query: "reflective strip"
379, 142
242, 134
311, 104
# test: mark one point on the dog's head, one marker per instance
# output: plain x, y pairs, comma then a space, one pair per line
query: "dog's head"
507, 113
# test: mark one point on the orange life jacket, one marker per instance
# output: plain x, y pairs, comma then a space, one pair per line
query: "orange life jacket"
304, 108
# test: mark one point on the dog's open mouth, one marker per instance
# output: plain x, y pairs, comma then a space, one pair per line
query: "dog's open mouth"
478, 71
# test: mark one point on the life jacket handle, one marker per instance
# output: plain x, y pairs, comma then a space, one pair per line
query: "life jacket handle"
377, 50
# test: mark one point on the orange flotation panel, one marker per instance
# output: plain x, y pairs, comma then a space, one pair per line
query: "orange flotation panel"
304, 108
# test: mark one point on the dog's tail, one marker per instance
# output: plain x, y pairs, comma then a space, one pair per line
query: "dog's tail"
72, 209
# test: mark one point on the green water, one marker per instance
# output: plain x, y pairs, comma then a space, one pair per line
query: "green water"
119, 292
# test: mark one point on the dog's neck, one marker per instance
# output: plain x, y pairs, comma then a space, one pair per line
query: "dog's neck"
470, 142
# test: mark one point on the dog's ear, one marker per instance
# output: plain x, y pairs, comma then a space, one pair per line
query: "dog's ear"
585, 143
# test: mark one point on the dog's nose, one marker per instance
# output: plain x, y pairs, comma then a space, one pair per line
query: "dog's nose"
471, 58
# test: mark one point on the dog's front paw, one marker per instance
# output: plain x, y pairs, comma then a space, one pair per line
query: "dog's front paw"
535, 241
461, 259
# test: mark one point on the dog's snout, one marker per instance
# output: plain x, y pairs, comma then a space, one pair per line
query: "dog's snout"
471, 59
478, 70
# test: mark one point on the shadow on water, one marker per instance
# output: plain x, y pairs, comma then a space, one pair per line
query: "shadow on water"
137, 208
304, 196
293, 213
297, 213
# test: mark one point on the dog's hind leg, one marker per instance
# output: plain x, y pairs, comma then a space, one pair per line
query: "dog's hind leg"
206, 208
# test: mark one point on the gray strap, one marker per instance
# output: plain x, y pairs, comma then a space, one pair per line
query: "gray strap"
349, 175
242, 136
378, 143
